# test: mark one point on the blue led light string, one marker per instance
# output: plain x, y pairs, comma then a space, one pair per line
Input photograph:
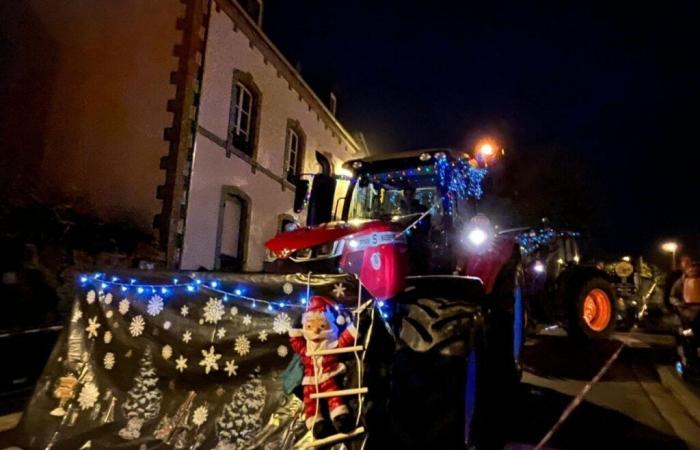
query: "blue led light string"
194, 284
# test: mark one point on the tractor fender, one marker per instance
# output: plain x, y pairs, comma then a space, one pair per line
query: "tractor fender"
489, 266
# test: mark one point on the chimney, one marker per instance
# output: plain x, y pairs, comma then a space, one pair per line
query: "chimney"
254, 8
333, 103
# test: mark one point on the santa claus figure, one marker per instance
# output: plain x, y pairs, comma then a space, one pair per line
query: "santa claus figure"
320, 332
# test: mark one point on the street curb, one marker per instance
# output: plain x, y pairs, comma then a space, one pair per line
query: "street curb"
686, 395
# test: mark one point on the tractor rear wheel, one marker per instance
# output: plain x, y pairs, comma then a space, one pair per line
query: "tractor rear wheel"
594, 309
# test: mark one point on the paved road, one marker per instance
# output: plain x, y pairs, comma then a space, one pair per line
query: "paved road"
629, 408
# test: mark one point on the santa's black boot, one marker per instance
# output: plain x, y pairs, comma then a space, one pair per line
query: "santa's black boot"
344, 423
322, 429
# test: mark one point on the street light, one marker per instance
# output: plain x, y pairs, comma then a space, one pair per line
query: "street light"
671, 247
486, 149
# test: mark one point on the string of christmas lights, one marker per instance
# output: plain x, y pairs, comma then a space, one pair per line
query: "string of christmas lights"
531, 241
194, 284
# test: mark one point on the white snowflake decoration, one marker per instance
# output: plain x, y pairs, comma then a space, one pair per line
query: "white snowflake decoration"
200, 415
247, 320
220, 333
107, 337
282, 323
109, 360
92, 327
184, 311
167, 325
88, 396
109, 314
262, 336
181, 363
209, 360
187, 336
282, 351
287, 288
107, 299
242, 345
137, 326
167, 352
231, 368
77, 315
213, 310
91, 297
155, 305
339, 290
234, 311
124, 306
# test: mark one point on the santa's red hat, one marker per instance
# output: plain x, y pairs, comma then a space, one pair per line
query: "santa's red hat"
320, 307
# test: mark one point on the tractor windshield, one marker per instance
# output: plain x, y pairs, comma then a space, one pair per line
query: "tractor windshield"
391, 195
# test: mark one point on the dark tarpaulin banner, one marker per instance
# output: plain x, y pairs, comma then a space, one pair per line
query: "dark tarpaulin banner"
178, 367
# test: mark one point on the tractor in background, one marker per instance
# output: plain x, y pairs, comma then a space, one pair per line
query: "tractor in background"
559, 289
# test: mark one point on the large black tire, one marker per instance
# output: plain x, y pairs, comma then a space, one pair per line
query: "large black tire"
447, 377
592, 309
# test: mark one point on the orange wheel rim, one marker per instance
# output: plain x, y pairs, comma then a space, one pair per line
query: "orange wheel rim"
597, 310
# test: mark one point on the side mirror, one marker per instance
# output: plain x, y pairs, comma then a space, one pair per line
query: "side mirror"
321, 201
302, 188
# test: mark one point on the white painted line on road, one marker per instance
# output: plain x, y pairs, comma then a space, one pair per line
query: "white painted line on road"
579, 398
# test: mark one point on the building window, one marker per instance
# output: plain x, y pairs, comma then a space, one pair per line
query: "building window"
294, 151
243, 119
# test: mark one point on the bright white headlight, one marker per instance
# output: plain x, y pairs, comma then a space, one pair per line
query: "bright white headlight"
538, 267
477, 236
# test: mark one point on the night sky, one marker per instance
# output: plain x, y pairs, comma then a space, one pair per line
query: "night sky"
611, 88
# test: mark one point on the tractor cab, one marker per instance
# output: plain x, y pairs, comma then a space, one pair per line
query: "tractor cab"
423, 201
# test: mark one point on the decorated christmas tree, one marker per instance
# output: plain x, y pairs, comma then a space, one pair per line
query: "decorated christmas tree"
241, 418
143, 399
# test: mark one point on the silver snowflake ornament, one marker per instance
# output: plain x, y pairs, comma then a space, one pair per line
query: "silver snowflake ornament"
231, 368
92, 327
124, 306
200, 415
282, 323
109, 360
184, 311
187, 336
137, 326
88, 396
242, 345
210, 360
220, 333
262, 336
181, 363
247, 320
213, 310
155, 305
339, 290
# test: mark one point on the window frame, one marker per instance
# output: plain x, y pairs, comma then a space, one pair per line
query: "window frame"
241, 138
293, 129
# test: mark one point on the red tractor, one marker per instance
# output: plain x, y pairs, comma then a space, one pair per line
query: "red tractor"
407, 226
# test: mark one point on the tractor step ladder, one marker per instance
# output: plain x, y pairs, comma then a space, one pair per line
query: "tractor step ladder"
335, 351
332, 439
340, 393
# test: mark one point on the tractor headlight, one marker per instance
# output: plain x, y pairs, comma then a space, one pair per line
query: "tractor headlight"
477, 236
479, 233
538, 267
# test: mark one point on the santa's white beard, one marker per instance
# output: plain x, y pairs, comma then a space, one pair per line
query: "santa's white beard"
319, 338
